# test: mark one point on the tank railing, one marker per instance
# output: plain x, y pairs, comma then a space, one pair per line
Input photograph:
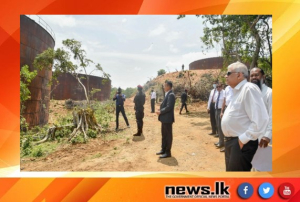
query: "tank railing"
43, 24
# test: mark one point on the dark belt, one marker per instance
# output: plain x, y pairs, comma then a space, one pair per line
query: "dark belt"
230, 138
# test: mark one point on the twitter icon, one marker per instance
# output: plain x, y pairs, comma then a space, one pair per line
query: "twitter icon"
266, 190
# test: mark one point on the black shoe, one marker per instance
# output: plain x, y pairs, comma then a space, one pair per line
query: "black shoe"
212, 133
165, 155
138, 133
222, 150
187, 112
216, 143
217, 135
219, 146
159, 153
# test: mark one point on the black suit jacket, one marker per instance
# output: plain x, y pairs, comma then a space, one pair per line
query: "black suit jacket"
167, 108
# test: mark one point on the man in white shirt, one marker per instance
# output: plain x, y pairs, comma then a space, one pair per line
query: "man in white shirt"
262, 160
211, 109
153, 98
219, 97
244, 120
228, 96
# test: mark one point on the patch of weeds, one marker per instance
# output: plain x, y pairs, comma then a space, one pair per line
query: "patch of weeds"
37, 152
92, 133
115, 148
78, 139
96, 156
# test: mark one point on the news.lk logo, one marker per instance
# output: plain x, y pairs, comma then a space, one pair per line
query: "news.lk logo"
197, 192
266, 190
286, 190
245, 190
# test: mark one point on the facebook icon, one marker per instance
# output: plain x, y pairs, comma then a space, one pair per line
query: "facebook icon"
245, 190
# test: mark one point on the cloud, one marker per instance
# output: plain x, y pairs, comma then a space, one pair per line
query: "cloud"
173, 49
124, 20
172, 36
61, 20
157, 31
137, 68
148, 49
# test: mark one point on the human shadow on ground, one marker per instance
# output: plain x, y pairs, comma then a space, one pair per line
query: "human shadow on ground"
196, 114
171, 161
138, 138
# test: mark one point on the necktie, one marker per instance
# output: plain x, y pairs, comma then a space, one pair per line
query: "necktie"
218, 100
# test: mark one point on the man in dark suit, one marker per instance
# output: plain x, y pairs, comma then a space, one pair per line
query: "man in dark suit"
183, 101
166, 117
139, 101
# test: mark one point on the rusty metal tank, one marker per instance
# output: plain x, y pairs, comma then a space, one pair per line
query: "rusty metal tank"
207, 63
35, 37
68, 87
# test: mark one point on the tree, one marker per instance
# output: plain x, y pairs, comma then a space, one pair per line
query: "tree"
26, 76
245, 38
59, 61
161, 72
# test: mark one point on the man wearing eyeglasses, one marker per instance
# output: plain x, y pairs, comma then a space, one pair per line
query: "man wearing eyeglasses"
244, 120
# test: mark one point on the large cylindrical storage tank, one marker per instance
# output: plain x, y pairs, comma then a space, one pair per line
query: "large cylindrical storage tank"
207, 63
34, 39
68, 87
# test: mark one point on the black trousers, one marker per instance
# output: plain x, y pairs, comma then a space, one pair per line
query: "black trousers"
167, 137
237, 159
213, 118
152, 105
120, 108
139, 115
218, 122
183, 105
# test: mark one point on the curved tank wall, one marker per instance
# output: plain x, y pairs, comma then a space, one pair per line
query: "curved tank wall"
207, 63
34, 39
69, 88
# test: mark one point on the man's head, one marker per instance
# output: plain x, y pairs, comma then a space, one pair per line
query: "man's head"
152, 90
119, 91
168, 86
140, 88
186, 90
236, 73
257, 76
219, 87
215, 84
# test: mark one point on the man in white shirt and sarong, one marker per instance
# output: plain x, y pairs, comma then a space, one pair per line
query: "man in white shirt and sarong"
262, 160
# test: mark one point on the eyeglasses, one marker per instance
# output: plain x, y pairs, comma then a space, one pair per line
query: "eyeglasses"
228, 73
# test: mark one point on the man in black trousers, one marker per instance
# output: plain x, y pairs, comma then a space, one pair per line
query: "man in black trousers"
211, 109
166, 117
120, 99
153, 98
139, 101
183, 101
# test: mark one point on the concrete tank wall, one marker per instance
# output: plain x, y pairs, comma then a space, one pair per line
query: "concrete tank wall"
208, 63
69, 88
34, 39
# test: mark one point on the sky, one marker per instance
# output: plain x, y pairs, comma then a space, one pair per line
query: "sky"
132, 48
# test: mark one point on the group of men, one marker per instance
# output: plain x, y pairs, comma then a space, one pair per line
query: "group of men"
241, 117
165, 114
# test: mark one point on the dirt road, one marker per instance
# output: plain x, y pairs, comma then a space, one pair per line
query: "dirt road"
192, 150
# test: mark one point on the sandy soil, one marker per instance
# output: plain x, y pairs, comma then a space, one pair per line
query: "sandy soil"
193, 149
